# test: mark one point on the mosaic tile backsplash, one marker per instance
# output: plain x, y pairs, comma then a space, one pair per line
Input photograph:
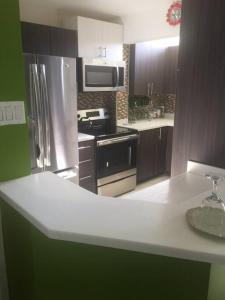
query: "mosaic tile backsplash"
122, 97
117, 103
94, 100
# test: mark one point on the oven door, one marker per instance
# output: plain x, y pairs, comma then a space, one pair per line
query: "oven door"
116, 155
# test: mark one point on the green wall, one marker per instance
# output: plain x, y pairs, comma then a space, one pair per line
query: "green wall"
40, 268
14, 147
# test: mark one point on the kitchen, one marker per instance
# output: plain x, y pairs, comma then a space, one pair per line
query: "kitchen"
196, 152
101, 58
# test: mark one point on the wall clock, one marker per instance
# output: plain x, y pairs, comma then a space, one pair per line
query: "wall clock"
174, 13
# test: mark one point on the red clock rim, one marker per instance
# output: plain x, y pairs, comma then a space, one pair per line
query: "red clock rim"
177, 5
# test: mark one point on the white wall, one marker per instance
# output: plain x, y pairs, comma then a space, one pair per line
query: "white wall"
138, 27
149, 25
39, 13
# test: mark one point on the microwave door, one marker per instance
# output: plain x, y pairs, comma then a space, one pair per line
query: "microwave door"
100, 78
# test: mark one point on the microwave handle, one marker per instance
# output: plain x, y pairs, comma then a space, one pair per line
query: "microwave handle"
117, 76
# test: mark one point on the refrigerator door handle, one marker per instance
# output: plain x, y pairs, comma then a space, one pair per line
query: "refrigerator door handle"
36, 113
46, 115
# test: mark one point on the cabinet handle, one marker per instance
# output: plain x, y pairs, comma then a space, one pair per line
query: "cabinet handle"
84, 161
86, 177
85, 147
105, 52
148, 89
160, 134
152, 87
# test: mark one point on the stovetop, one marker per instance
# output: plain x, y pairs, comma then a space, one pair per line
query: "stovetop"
97, 122
106, 133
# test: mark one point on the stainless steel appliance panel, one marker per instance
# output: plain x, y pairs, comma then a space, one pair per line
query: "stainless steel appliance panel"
58, 93
101, 75
116, 177
118, 187
52, 101
34, 113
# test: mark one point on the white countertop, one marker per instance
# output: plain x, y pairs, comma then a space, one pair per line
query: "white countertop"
82, 137
155, 224
148, 124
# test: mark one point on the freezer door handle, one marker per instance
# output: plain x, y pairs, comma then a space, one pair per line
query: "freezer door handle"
36, 110
46, 116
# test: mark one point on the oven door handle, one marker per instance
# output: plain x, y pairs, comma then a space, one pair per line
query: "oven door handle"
117, 140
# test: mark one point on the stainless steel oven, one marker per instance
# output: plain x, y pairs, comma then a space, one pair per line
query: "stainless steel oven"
116, 149
116, 165
101, 75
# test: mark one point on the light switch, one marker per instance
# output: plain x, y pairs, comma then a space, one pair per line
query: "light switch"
12, 113
1, 115
8, 113
18, 110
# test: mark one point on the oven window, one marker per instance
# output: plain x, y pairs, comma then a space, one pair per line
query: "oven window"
99, 76
115, 158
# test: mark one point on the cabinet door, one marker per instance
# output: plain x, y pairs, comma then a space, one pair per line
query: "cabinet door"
162, 151
112, 41
90, 37
170, 70
35, 38
99, 39
153, 65
63, 42
147, 161
169, 150
152, 151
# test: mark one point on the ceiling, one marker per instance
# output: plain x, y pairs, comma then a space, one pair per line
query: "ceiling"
100, 8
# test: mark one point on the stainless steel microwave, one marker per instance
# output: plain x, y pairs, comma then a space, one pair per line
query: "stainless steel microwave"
101, 75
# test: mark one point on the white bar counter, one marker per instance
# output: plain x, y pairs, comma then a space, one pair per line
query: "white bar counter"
154, 223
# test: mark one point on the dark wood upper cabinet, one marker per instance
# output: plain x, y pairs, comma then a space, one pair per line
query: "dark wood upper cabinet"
155, 65
35, 38
47, 40
199, 132
170, 67
63, 41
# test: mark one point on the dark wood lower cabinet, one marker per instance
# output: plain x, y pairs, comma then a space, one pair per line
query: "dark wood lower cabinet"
154, 156
169, 150
87, 169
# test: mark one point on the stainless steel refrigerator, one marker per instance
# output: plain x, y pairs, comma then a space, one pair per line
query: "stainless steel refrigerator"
52, 114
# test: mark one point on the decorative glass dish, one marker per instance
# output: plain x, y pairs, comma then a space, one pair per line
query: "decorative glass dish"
210, 217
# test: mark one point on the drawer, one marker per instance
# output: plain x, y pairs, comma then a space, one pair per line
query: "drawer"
86, 151
87, 176
88, 183
86, 168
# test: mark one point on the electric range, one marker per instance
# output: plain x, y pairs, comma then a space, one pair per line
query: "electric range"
116, 152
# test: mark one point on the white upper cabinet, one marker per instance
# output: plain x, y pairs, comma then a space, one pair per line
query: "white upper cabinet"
98, 39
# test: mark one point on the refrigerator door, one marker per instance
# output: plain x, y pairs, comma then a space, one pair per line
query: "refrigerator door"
58, 94
35, 112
